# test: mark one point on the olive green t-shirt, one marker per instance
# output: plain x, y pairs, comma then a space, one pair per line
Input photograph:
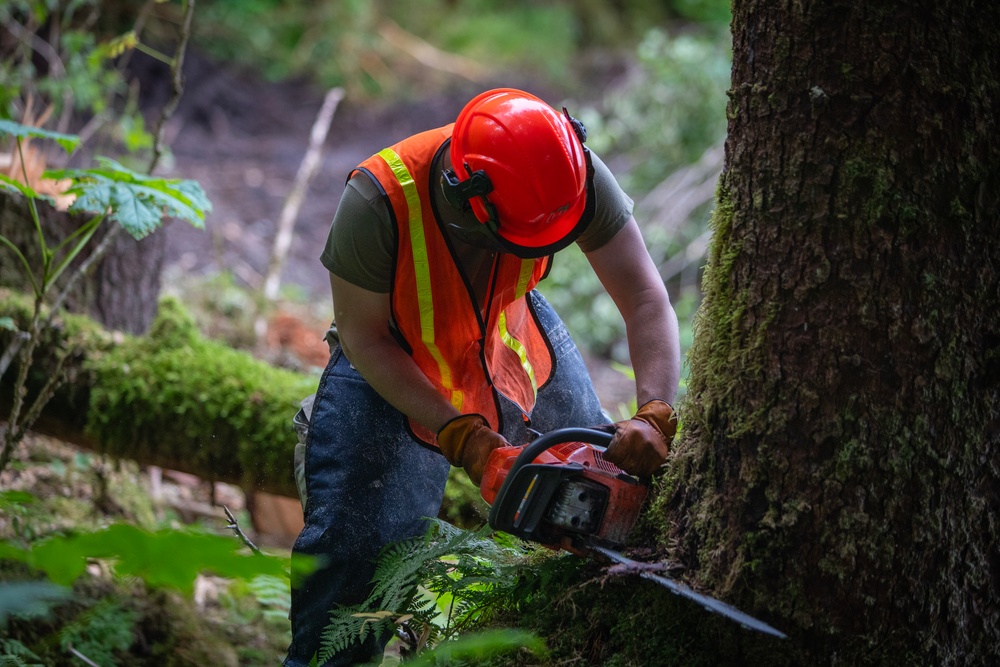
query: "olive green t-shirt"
361, 242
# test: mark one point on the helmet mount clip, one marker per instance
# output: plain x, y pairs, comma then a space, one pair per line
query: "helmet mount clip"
458, 193
579, 129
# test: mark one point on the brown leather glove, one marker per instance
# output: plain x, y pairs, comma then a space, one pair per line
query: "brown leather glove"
640, 445
467, 441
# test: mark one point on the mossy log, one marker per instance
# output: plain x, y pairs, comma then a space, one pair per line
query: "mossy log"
170, 398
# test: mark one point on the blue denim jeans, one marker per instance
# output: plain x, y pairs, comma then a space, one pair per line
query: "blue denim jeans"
369, 484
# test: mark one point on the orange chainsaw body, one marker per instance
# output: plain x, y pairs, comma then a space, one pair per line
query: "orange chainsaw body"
563, 492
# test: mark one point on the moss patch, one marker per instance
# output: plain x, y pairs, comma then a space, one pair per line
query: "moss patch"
178, 396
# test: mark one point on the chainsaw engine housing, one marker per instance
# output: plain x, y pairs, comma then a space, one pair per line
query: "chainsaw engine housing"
559, 491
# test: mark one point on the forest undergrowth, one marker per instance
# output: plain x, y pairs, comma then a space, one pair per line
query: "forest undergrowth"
53, 488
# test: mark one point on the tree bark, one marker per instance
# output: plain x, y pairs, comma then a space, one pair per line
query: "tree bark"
840, 464
126, 283
122, 291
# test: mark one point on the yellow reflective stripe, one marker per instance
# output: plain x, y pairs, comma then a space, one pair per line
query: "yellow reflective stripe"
421, 269
527, 269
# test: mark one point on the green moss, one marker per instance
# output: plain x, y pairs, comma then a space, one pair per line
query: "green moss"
630, 622
174, 327
721, 333
185, 398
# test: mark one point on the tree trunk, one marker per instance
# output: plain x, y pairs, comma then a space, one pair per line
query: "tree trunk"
123, 289
126, 283
840, 465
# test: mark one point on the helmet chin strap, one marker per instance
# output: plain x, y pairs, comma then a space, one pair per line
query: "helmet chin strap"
476, 236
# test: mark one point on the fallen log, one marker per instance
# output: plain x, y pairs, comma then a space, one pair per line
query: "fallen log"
170, 398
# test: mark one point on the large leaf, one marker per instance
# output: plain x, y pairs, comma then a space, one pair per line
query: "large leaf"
480, 646
168, 558
8, 184
137, 202
69, 142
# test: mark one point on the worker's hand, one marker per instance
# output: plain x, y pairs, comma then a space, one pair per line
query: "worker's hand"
640, 445
467, 441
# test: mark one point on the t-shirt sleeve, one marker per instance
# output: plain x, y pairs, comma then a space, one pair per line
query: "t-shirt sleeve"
359, 247
613, 208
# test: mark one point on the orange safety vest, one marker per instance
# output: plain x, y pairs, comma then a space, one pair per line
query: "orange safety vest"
469, 359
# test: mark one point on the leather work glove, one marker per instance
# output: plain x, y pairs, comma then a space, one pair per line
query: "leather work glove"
640, 444
466, 441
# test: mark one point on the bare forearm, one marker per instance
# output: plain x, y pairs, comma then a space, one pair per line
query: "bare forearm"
631, 278
654, 349
363, 323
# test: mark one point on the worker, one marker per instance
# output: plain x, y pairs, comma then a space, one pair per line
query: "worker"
444, 349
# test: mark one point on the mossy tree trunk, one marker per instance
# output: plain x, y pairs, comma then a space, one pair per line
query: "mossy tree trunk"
840, 463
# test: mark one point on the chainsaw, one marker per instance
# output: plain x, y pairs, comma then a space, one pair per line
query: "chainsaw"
560, 492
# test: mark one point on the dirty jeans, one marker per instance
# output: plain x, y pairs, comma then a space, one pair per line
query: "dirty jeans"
369, 484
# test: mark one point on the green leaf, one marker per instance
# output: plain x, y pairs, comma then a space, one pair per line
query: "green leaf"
137, 215
12, 498
117, 45
137, 202
12, 186
168, 558
481, 645
69, 142
9, 551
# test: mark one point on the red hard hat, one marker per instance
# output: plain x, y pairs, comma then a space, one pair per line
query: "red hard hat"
537, 167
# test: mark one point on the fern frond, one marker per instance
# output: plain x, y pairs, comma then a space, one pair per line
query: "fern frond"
272, 593
15, 654
341, 632
444, 581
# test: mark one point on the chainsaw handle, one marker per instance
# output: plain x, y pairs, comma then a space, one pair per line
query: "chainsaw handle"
531, 451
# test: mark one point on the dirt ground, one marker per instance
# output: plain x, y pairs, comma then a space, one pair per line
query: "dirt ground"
244, 140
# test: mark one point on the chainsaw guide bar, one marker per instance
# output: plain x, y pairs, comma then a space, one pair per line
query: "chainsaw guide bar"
559, 491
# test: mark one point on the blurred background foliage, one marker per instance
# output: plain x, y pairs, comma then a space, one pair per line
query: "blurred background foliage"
648, 78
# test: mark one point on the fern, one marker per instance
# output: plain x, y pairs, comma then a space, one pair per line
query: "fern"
341, 632
29, 599
100, 633
15, 654
434, 587
272, 595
